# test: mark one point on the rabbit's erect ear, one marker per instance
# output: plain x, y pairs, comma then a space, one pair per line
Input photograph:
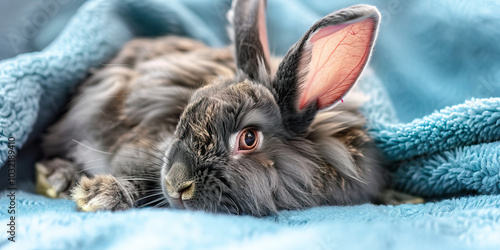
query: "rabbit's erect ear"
326, 62
248, 18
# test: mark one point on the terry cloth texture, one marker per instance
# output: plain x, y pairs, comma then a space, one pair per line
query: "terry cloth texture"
434, 111
463, 223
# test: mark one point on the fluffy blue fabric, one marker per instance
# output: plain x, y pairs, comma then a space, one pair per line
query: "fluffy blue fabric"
429, 56
464, 223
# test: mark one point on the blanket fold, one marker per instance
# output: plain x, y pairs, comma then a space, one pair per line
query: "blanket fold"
473, 122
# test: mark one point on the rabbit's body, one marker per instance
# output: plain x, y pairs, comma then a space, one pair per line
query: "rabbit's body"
122, 117
136, 99
158, 126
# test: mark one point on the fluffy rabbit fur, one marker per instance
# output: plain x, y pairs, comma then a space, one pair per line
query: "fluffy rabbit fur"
162, 123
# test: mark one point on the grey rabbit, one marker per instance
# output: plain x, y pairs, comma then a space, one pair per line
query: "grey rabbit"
171, 122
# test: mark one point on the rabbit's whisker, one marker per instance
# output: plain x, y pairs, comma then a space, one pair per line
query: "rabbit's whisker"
148, 196
145, 152
151, 202
137, 179
161, 204
150, 144
90, 148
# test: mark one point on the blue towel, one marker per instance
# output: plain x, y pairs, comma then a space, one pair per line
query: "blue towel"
464, 223
434, 111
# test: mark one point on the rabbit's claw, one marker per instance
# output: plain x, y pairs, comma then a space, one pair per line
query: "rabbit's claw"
55, 178
393, 197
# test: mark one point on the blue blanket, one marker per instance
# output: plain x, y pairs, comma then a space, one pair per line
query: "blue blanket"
465, 223
434, 112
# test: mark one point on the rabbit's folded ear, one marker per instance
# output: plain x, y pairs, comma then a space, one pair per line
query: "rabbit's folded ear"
326, 62
249, 34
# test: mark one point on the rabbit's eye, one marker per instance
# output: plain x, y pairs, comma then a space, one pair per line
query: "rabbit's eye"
248, 140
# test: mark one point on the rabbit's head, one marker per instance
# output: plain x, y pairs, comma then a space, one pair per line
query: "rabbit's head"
240, 145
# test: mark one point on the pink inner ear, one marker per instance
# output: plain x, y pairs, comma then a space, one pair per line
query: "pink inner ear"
339, 54
263, 29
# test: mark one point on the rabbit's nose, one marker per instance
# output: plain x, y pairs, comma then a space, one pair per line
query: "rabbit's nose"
184, 190
177, 183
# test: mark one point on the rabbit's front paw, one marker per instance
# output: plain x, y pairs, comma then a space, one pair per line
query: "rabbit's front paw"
103, 192
55, 178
